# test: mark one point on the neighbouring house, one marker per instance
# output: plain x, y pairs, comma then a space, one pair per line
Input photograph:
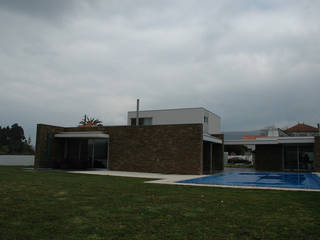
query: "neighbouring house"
181, 141
302, 129
295, 149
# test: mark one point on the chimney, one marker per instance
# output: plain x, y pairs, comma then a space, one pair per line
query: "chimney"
137, 117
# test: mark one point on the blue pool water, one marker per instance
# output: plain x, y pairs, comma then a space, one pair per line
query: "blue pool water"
261, 179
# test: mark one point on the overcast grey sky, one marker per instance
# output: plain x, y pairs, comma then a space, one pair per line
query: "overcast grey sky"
254, 63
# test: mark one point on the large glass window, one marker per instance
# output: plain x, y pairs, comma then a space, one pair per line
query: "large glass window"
85, 153
98, 153
142, 121
299, 156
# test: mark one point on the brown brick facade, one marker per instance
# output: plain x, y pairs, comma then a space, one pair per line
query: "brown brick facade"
47, 147
158, 148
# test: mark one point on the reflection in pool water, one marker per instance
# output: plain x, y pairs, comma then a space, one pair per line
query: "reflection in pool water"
261, 179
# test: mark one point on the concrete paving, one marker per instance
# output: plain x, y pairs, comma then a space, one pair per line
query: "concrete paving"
163, 177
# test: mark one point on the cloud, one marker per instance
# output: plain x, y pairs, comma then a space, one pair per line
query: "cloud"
254, 63
42, 9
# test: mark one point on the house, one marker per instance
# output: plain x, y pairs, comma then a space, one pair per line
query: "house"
302, 129
181, 141
283, 150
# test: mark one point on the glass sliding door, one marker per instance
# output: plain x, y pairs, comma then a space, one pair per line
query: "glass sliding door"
306, 157
91, 153
298, 157
290, 157
76, 153
98, 153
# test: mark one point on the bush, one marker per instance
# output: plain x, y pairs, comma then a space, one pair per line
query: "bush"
4, 149
238, 160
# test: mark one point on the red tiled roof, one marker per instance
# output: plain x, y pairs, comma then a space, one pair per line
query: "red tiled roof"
252, 137
301, 127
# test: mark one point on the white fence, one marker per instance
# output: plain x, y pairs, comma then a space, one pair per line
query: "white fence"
16, 160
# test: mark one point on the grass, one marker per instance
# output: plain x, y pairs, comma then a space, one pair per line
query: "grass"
59, 205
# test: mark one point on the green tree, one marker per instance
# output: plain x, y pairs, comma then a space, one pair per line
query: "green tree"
13, 141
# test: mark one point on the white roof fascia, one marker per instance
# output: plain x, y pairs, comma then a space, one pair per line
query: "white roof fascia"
278, 140
249, 142
90, 134
212, 139
296, 140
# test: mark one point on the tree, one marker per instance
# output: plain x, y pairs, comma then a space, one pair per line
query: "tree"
90, 122
13, 141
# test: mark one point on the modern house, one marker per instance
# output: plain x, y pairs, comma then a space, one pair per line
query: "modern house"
181, 141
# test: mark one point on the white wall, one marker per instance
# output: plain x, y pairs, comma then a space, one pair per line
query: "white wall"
181, 116
214, 124
16, 160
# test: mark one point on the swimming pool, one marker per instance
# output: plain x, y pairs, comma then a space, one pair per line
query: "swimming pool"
261, 179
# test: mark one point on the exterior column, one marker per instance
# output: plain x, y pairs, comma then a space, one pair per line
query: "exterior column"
317, 153
211, 158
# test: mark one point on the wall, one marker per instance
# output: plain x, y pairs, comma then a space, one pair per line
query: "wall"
180, 116
171, 116
214, 124
159, 148
16, 160
48, 149
268, 157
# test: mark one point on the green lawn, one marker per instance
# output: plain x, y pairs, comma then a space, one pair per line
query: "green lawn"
58, 205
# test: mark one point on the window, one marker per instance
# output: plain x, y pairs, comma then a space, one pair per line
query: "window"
206, 120
142, 121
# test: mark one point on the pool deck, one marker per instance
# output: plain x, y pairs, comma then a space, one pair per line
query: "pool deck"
171, 179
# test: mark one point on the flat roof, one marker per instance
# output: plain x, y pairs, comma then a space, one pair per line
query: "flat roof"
90, 134
174, 109
209, 138
270, 140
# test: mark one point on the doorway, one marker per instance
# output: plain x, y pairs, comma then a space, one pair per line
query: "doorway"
85, 153
298, 157
98, 153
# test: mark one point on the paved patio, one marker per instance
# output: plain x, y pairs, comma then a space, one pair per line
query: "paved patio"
159, 176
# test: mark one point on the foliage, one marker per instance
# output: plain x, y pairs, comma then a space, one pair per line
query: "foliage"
13, 141
90, 122
4, 149
238, 165
60, 205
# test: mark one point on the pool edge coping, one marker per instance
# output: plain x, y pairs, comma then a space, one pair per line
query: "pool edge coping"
164, 181
174, 182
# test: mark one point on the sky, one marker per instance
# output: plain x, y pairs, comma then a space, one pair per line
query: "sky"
254, 63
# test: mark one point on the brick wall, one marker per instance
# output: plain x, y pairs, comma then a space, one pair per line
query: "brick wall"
157, 148
268, 157
47, 147
317, 153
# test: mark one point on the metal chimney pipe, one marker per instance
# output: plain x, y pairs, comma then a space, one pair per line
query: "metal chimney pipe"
137, 117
